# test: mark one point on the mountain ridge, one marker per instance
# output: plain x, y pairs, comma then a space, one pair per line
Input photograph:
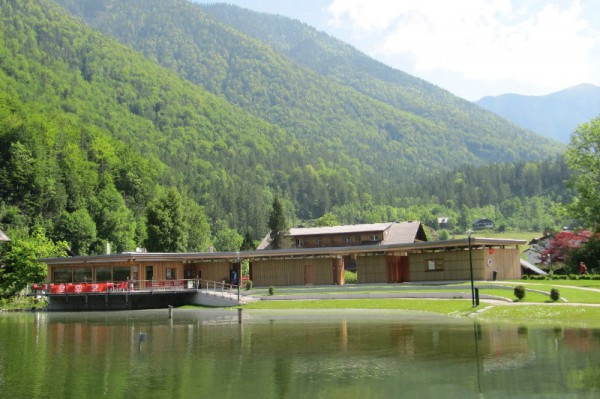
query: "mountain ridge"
555, 115
293, 99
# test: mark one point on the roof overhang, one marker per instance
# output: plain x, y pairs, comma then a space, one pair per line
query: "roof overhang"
459, 244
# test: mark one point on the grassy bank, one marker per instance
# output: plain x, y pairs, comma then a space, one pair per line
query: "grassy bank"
578, 307
22, 303
565, 315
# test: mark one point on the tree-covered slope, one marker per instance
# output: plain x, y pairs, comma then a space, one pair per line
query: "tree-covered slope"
484, 134
554, 115
338, 103
87, 124
93, 134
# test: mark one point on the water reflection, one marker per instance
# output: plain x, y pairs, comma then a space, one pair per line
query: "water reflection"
356, 354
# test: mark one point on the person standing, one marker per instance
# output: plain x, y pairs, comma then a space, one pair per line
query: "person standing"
582, 268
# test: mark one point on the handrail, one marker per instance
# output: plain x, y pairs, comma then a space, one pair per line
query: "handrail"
128, 286
216, 287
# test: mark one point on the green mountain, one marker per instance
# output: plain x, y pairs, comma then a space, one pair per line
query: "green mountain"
93, 134
87, 124
337, 102
555, 115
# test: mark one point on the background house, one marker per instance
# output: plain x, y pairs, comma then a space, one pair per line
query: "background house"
483, 223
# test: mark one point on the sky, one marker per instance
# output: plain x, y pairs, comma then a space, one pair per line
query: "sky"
472, 48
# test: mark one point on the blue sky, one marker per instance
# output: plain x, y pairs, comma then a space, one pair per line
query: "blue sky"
472, 48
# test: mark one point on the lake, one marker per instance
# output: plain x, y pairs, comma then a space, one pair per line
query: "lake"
291, 354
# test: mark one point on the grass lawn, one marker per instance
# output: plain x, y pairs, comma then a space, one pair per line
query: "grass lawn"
449, 306
530, 296
536, 307
579, 316
567, 288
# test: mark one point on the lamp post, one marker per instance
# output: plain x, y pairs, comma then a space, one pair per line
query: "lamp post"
239, 276
469, 232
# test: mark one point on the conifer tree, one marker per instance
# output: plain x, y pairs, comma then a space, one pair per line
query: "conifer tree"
278, 226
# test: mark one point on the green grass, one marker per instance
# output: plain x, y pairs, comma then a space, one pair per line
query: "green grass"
564, 287
530, 296
449, 306
582, 316
22, 303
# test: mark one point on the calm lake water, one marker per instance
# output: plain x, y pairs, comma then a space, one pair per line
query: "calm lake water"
293, 354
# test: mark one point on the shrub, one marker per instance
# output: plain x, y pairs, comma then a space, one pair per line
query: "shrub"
554, 294
271, 290
525, 277
573, 277
350, 277
595, 277
519, 292
585, 277
248, 285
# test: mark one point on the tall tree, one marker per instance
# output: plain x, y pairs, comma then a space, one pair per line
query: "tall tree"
226, 238
78, 229
20, 264
166, 223
278, 226
197, 226
248, 243
114, 221
583, 156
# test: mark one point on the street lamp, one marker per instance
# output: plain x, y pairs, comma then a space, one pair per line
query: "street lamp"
469, 232
239, 276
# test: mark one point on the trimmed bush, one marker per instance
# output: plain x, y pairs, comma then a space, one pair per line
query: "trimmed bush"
248, 285
271, 290
519, 292
554, 294
573, 277
525, 277
350, 277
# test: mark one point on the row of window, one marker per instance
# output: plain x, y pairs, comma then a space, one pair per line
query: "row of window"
106, 273
317, 241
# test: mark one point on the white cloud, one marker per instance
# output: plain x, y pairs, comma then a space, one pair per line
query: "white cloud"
534, 43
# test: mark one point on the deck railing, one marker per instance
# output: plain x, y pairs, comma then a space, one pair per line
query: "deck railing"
129, 286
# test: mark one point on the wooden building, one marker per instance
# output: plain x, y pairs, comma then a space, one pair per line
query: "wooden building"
379, 253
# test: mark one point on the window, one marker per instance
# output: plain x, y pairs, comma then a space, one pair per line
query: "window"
170, 273
348, 239
433, 265
121, 273
82, 274
299, 243
318, 241
103, 274
374, 237
63, 275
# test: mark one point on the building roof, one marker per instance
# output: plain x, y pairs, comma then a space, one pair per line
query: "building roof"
393, 233
347, 229
3, 237
533, 268
457, 244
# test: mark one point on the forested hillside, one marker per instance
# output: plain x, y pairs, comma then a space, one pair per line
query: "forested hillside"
99, 143
474, 128
90, 130
337, 102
